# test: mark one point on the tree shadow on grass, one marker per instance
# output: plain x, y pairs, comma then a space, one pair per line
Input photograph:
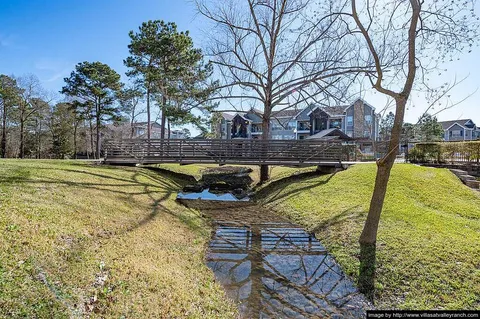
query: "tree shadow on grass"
351, 214
149, 182
275, 190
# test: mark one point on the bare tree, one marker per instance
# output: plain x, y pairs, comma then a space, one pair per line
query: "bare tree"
271, 54
33, 99
406, 40
130, 99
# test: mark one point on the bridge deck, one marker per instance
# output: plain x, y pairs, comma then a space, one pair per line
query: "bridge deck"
243, 152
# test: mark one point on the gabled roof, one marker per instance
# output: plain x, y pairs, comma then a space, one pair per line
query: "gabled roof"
447, 124
286, 113
227, 117
332, 132
241, 116
335, 110
364, 103
332, 111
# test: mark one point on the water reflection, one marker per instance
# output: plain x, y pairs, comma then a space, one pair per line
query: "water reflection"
277, 270
206, 194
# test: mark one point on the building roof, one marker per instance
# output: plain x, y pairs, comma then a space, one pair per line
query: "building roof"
144, 124
330, 133
286, 113
447, 124
335, 110
227, 117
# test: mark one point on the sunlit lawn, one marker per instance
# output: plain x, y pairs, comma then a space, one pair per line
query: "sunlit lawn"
95, 241
429, 237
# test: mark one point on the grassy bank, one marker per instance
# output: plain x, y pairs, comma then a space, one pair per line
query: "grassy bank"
276, 172
429, 237
79, 240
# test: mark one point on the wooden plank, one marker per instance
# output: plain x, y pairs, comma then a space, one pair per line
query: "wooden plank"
249, 152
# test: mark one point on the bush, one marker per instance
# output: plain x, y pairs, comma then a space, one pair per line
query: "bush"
442, 152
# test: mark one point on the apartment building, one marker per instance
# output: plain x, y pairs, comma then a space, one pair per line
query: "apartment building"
357, 120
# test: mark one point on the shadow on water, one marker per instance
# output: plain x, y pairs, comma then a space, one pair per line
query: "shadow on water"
277, 270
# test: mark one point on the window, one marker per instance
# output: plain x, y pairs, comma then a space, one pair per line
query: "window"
366, 133
277, 127
337, 123
456, 133
368, 119
292, 125
303, 126
349, 120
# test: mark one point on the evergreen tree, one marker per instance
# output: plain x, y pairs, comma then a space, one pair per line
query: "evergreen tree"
386, 126
429, 128
169, 66
62, 120
94, 86
9, 97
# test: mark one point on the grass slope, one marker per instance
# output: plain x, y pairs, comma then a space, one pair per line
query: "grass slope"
276, 172
94, 241
429, 237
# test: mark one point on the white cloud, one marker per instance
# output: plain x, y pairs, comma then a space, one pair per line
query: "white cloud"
52, 70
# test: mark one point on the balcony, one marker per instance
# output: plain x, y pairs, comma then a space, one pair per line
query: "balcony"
303, 127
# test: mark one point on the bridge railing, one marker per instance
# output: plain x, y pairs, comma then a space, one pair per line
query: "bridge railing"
222, 151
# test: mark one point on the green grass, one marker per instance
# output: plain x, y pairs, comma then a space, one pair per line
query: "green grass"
79, 240
428, 249
83, 240
276, 172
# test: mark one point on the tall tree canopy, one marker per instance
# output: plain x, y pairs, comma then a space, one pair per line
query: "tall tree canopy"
429, 128
9, 98
94, 85
271, 56
165, 61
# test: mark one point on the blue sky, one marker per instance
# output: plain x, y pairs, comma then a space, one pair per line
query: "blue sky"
48, 37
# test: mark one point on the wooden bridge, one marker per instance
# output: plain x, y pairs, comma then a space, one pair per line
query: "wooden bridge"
216, 151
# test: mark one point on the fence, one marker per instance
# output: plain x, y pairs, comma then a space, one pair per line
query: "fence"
446, 152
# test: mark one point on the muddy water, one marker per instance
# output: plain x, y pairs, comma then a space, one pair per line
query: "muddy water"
273, 268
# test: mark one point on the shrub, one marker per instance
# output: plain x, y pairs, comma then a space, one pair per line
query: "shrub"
441, 152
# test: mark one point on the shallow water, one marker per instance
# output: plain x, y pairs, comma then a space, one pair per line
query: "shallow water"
277, 270
207, 195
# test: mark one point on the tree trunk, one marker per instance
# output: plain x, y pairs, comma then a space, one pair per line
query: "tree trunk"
40, 140
132, 129
98, 122
91, 137
164, 103
368, 237
22, 137
86, 139
264, 173
75, 125
148, 112
3, 143
169, 133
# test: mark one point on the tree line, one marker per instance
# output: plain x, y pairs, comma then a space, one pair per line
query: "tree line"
164, 69
426, 129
